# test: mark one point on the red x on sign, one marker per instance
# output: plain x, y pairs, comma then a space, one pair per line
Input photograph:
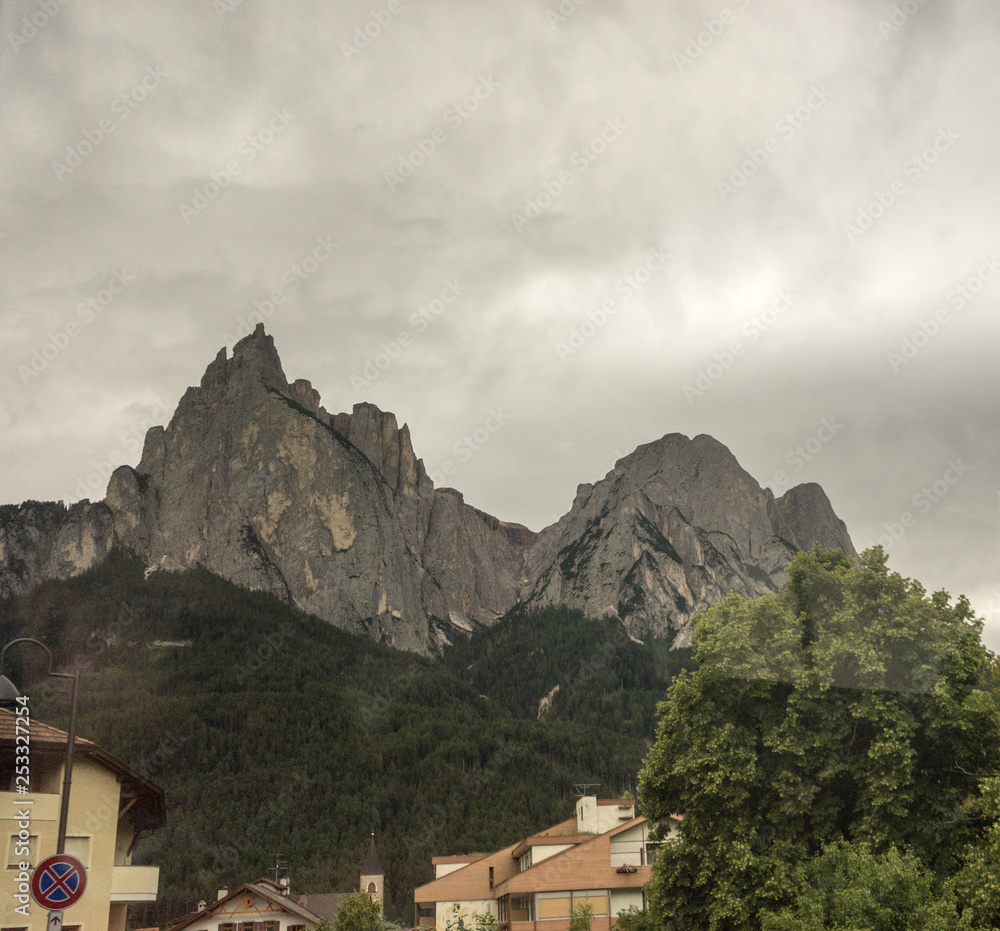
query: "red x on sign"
58, 882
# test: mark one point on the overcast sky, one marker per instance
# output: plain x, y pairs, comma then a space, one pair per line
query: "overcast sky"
772, 221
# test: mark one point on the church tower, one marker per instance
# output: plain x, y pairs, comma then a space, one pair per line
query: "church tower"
372, 877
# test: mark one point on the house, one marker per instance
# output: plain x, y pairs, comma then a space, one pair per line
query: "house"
267, 905
600, 857
262, 905
110, 808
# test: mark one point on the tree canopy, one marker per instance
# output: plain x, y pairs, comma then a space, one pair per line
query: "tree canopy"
849, 707
358, 913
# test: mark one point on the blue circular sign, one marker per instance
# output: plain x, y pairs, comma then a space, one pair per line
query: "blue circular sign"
58, 882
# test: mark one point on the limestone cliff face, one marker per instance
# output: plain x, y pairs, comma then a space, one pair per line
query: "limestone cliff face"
810, 518
671, 529
255, 480
41, 541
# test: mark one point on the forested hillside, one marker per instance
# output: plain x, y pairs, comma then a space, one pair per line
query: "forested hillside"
277, 735
605, 678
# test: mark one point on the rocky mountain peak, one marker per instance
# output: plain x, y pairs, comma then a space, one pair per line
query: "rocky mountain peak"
811, 519
673, 527
256, 481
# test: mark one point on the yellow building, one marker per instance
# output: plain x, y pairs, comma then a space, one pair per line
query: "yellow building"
110, 807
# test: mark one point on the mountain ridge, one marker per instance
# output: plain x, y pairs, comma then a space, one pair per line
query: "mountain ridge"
255, 480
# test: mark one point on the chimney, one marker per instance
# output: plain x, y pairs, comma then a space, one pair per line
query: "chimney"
201, 904
586, 814
222, 894
285, 884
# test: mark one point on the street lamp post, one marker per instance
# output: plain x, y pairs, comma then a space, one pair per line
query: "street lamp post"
8, 692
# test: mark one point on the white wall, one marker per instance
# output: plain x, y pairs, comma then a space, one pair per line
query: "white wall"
626, 847
592, 818
467, 909
622, 899
548, 850
235, 910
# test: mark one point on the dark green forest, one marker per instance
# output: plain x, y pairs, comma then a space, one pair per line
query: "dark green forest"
275, 735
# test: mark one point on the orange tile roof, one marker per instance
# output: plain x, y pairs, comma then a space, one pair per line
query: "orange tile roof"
40, 734
470, 882
584, 866
151, 808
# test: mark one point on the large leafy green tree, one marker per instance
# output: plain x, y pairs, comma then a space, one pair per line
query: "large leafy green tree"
358, 913
849, 706
852, 888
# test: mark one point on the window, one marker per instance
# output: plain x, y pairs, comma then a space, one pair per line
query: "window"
491, 877
553, 905
79, 847
18, 851
597, 899
521, 908
296, 928
524, 861
227, 926
272, 925
372, 888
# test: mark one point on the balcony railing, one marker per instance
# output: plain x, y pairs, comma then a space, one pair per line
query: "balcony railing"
135, 883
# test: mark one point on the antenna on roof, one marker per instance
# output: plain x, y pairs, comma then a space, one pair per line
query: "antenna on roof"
582, 788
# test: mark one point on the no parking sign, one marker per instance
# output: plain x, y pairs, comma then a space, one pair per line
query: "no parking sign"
58, 882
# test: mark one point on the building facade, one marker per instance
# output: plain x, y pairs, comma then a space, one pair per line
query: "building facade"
110, 808
266, 905
258, 906
601, 857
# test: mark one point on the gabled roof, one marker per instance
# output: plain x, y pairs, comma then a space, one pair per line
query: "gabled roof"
260, 887
324, 904
471, 881
372, 865
586, 865
149, 810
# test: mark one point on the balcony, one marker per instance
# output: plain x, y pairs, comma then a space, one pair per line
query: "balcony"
135, 883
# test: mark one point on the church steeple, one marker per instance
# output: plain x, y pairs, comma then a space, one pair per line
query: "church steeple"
372, 875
